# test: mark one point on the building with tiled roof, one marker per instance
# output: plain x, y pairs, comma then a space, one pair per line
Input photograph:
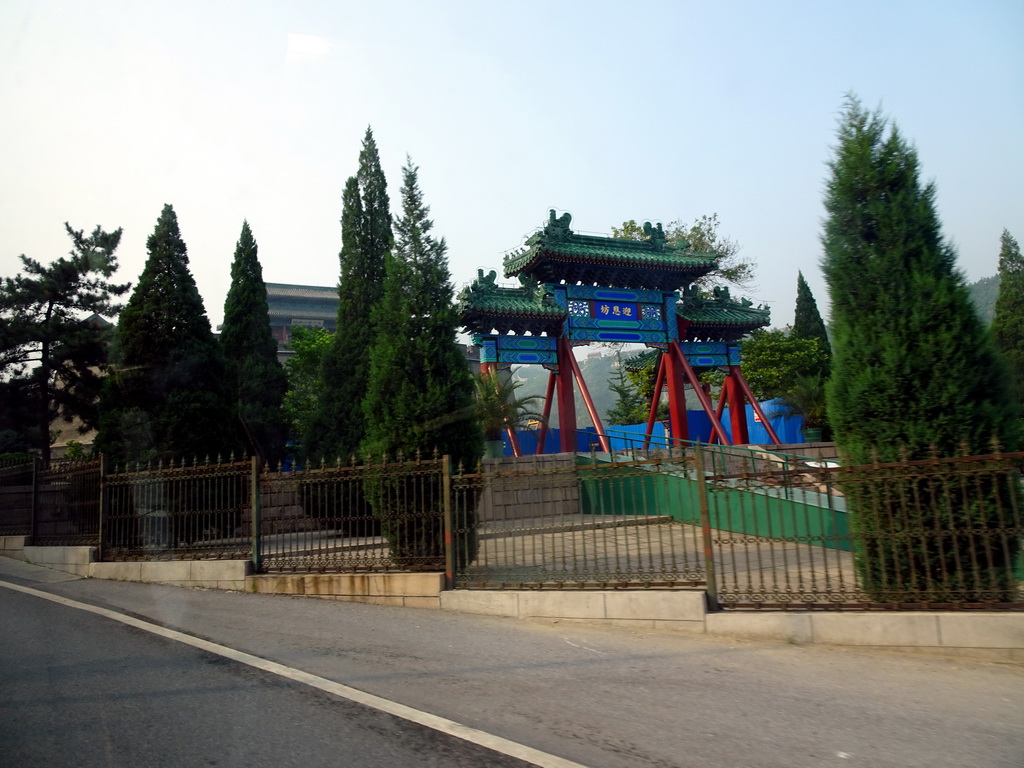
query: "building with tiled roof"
311, 306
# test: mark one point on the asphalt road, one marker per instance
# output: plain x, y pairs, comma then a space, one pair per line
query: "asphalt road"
78, 689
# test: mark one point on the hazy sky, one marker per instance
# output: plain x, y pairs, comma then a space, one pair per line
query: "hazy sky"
608, 110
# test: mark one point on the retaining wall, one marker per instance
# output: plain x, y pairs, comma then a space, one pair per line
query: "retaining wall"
997, 636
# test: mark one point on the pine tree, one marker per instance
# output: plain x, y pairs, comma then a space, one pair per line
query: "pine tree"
339, 427
255, 377
913, 368
630, 407
420, 394
166, 397
808, 323
52, 346
912, 365
1008, 325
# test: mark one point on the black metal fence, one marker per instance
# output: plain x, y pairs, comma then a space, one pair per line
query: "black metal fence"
67, 510
159, 511
368, 517
566, 521
17, 490
55, 505
759, 529
936, 533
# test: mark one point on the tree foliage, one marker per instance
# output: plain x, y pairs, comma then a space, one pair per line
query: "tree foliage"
774, 359
53, 344
255, 377
913, 365
499, 404
913, 369
338, 427
808, 323
701, 235
302, 369
166, 396
419, 396
804, 397
631, 407
1008, 325
418, 373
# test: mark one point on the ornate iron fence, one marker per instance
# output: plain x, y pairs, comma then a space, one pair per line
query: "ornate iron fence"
163, 511
781, 531
601, 521
936, 533
369, 517
67, 511
17, 492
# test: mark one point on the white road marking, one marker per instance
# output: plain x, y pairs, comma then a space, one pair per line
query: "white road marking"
444, 725
583, 647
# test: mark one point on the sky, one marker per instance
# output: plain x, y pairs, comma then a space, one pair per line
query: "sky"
658, 111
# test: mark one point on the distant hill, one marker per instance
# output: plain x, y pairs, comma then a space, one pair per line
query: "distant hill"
984, 294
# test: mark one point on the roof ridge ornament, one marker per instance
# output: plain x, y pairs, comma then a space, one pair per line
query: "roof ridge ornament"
655, 235
557, 228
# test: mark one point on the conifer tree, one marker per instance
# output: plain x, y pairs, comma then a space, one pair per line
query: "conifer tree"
808, 323
339, 427
913, 369
255, 377
166, 397
52, 346
630, 407
912, 363
420, 393
1008, 325
418, 373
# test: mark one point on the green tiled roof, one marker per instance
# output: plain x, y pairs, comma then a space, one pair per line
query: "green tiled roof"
755, 318
484, 306
721, 310
555, 254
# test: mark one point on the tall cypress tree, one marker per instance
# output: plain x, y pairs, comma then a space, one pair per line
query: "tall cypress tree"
255, 377
420, 394
808, 323
339, 427
913, 369
166, 397
1008, 325
912, 365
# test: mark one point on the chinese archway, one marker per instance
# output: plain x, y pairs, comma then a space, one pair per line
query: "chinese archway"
576, 289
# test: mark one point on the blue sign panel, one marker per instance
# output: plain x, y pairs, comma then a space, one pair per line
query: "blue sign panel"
615, 310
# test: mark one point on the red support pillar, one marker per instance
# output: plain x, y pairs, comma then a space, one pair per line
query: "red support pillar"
542, 436
594, 417
566, 401
735, 369
723, 400
659, 384
676, 351
513, 440
675, 379
737, 408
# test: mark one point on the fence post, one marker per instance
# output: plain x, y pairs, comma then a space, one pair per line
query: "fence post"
255, 502
705, 528
34, 503
449, 524
103, 504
